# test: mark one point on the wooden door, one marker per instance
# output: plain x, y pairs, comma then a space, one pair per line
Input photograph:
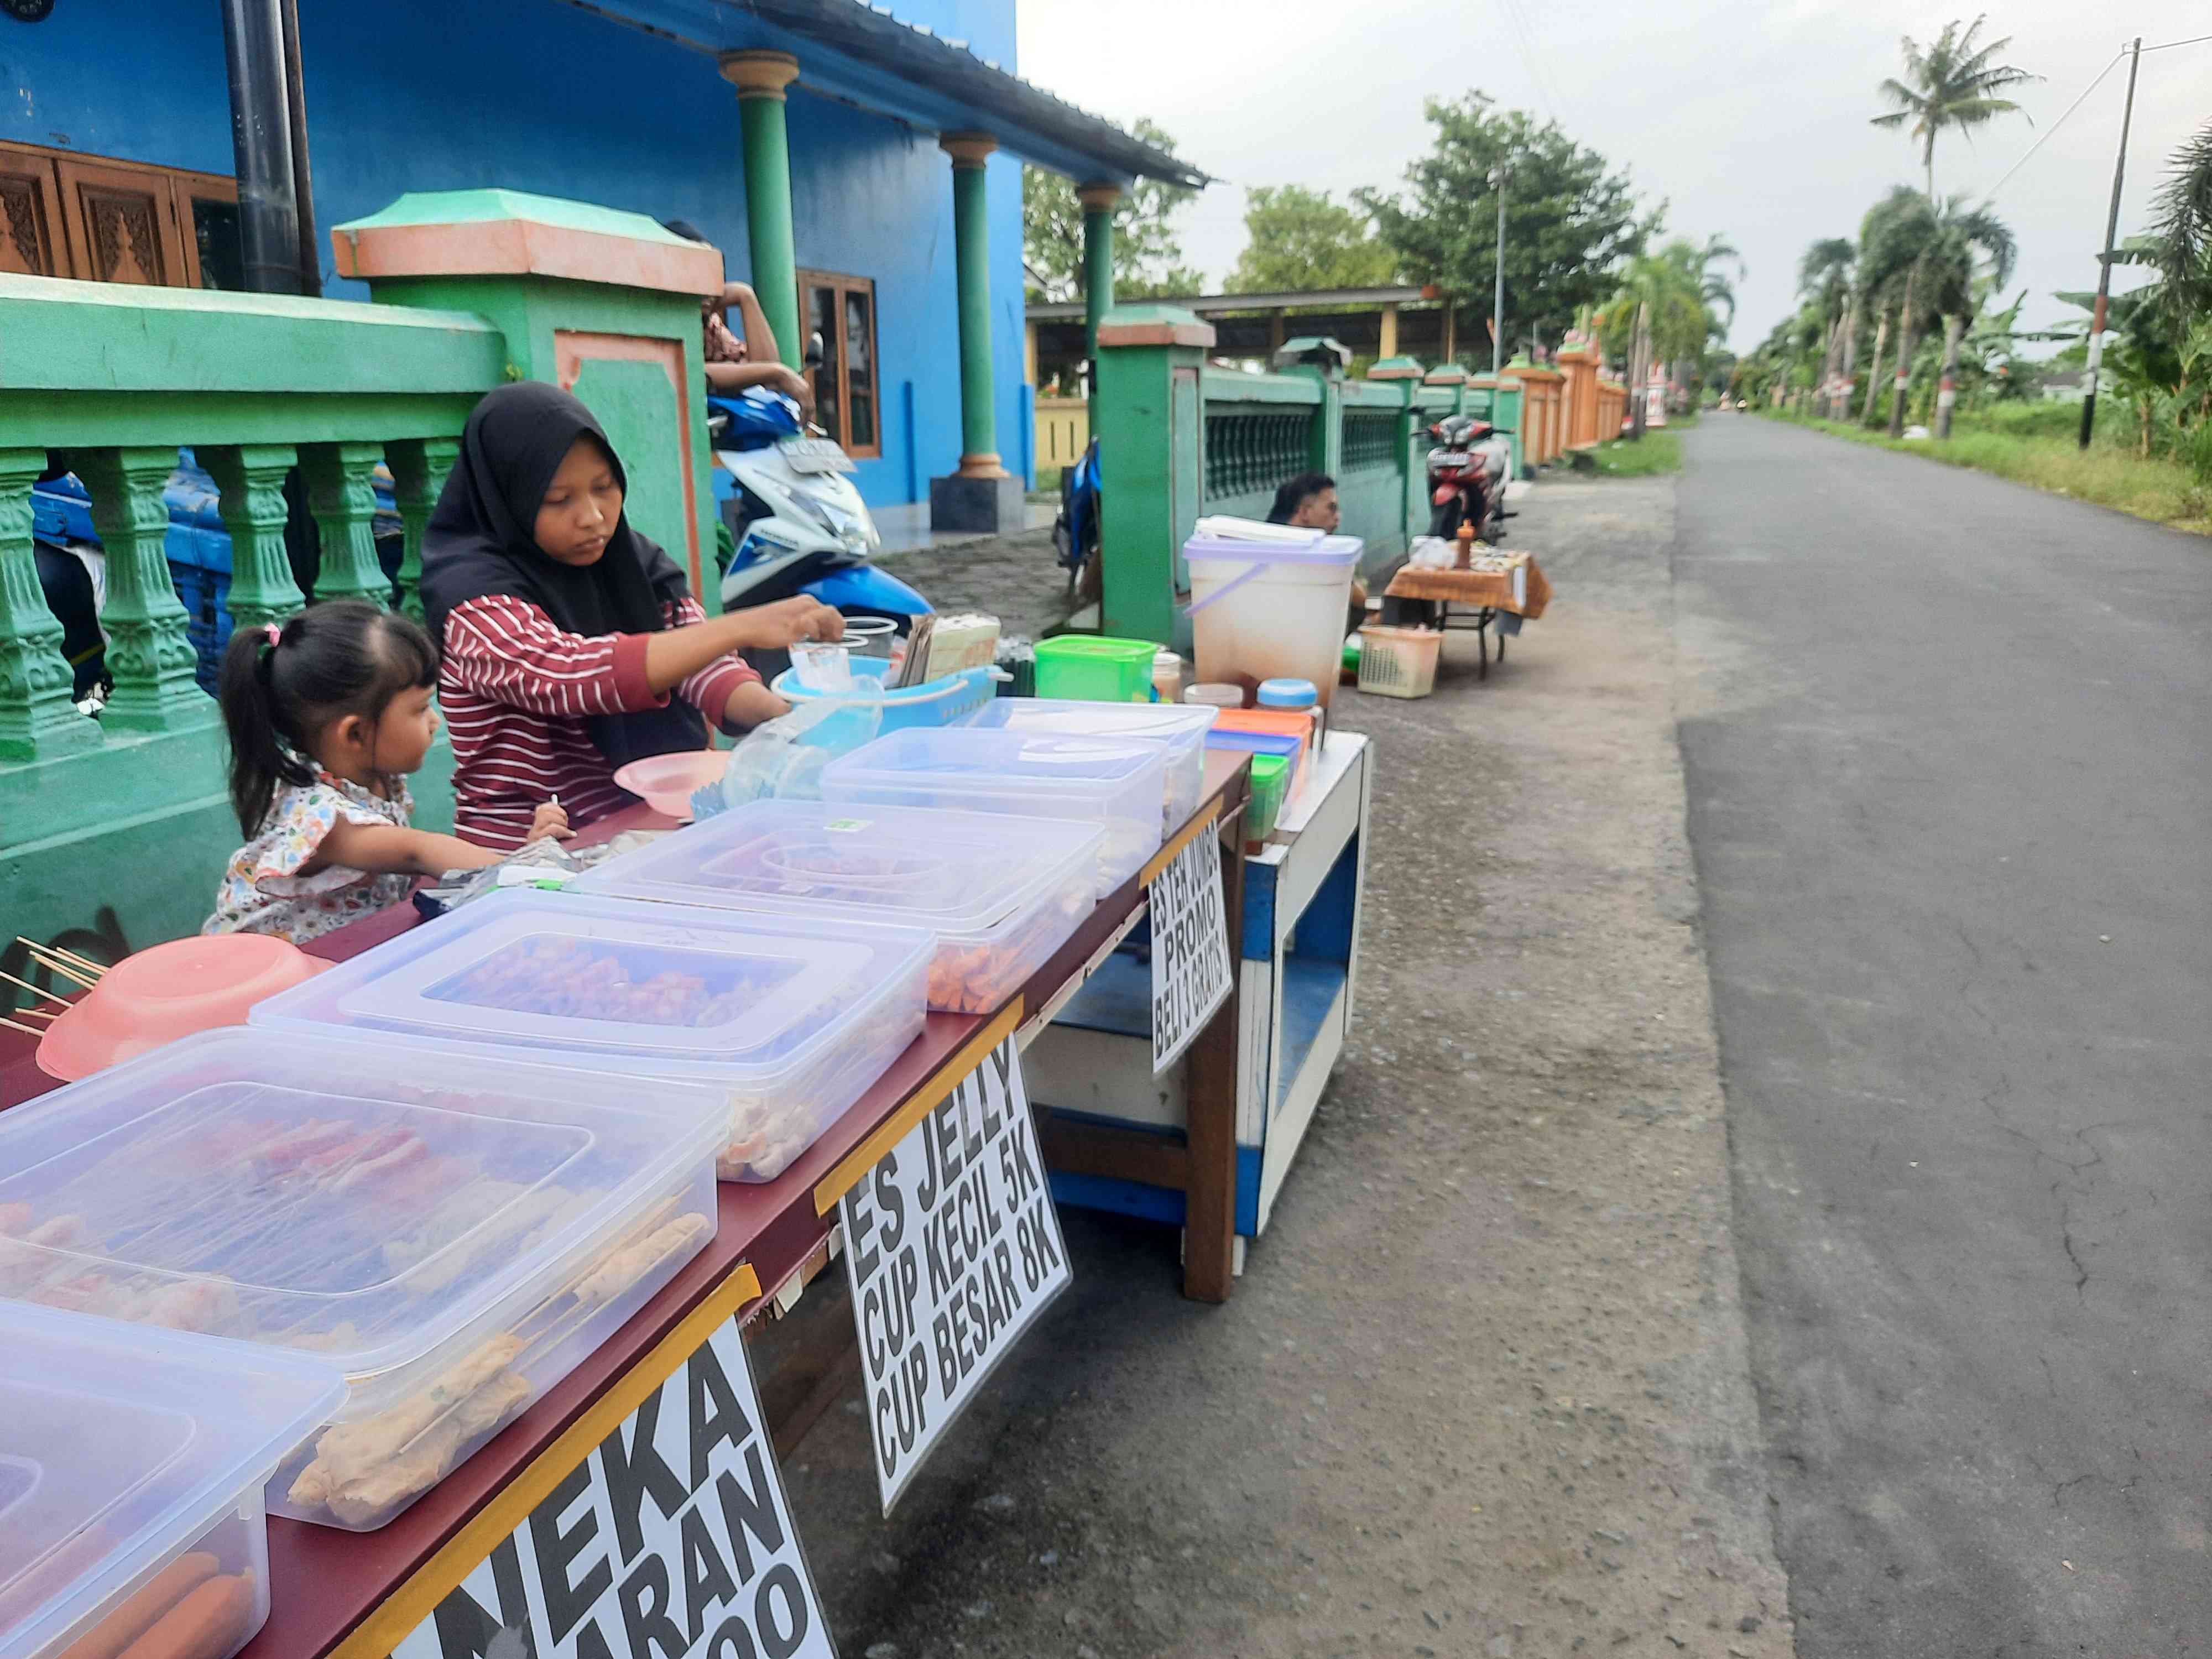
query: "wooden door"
30, 242
122, 224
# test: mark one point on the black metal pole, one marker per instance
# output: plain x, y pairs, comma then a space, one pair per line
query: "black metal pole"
261, 138
303, 189
2104, 269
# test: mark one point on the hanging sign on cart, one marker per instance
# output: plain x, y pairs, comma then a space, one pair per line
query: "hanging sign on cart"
952, 1248
1190, 948
672, 1539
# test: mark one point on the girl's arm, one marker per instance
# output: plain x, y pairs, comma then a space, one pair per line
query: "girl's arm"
764, 369
752, 321
391, 850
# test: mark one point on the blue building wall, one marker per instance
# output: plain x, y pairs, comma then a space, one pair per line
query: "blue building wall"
540, 96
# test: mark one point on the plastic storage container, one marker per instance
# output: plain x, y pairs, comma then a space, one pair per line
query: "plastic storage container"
132, 1465
1270, 787
1110, 784
1096, 669
1399, 662
452, 1236
1000, 894
788, 1022
1215, 696
1181, 726
1261, 609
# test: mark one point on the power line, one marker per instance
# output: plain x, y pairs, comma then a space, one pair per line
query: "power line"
2193, 39
1991, 194
1524, 45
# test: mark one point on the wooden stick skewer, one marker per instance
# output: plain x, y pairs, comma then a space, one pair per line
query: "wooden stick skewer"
54, 967
35, 1013
27, 1030
57, 953
24, 984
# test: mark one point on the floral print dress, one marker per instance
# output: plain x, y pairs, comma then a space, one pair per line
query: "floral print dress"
263, 891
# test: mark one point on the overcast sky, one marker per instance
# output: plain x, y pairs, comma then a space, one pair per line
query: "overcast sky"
1749, 117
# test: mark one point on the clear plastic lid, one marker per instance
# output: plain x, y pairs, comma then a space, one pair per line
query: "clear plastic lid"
1150, 722
950, 759
118, 1445
365, 1202
609, 983
955, 874
1323, 550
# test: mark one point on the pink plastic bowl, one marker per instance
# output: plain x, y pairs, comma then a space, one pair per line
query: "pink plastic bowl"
666, 781
169, 991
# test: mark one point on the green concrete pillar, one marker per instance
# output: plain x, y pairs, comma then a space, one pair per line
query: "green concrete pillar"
1098, 201
760, 78
971, 249
1151, 421
38, 720
602, 303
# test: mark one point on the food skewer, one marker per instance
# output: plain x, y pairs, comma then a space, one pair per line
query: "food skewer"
36, 991
55, 965
86, 962
28, 1030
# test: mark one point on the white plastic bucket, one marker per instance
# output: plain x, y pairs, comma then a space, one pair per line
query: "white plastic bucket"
1261, 610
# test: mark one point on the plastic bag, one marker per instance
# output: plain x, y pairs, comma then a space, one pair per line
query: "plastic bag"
1430, 553
783, 758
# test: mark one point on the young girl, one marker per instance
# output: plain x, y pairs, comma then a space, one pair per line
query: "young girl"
327, 715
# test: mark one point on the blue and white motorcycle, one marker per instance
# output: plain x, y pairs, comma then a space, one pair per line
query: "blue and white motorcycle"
797, 524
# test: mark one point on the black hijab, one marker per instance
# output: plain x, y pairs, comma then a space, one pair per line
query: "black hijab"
480, 540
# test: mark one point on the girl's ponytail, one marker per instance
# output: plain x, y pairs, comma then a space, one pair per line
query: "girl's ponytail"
281, 687
246, 694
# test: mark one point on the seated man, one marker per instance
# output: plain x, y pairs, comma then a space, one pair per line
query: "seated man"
1309, 502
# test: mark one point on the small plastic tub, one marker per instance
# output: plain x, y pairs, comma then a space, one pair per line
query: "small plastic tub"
934, 702
451, 1235
1286, 693
1215, 695
1095, 669
167, 991
787, 1022
1270, 787
1277, 722
1116, 784
1181, 726
1001, 893
131, 1466
667, 782
1399, 662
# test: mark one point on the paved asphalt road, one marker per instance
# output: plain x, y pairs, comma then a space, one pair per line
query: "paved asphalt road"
1949, 770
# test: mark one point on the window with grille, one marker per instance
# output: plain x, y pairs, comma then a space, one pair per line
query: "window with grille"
847, 386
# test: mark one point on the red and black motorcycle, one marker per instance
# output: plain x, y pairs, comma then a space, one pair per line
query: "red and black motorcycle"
1466, 477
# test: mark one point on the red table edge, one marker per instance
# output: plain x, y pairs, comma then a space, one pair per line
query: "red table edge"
773, 1227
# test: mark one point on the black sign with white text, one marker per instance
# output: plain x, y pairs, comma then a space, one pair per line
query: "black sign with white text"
952, 1248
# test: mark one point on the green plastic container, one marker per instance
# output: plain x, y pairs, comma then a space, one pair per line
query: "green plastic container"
1271, 781
1090, 668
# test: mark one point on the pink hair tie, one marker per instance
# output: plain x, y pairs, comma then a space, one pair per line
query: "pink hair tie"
275, 634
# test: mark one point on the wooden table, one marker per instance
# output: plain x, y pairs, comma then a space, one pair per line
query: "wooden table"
354, 1595
1489, 593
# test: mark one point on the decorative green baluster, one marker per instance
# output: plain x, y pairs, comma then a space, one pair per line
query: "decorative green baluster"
252, 478
149, 652
37, 720
419, 467
342, 495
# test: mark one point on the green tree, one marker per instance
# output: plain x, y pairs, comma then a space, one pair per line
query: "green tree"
1300, 239
1658, 311
1950, 83
1147, 251
2180, 240
1826, 278
1570, 218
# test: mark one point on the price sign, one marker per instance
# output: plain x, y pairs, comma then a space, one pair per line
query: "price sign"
671, 1540
1190, 947
952, 1248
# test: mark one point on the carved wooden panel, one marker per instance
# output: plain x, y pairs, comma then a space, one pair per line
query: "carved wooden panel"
30, 232
122, 224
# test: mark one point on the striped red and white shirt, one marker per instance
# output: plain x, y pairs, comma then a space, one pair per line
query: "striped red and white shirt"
516, 690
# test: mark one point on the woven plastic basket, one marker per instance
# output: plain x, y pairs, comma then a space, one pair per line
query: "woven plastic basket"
1399, 662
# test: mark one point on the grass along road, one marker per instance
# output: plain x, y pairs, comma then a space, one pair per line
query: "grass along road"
2103, 475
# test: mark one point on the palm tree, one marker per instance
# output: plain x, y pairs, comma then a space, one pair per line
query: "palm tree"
2180, 240
1968, 241
1659, 308
1952, 83
1894, 233
1824, 277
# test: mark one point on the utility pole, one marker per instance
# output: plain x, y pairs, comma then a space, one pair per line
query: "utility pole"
2104, 270
1498, 178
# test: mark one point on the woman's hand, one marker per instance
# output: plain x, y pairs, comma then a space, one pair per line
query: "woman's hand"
550, 819
795, 386
780, 626
752, 704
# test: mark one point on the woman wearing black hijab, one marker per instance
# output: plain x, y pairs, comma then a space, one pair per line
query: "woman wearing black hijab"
569, 644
